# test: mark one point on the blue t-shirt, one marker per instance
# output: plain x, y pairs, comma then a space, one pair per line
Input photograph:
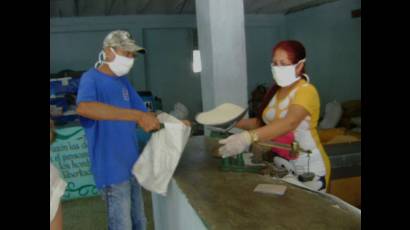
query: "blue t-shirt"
112, 145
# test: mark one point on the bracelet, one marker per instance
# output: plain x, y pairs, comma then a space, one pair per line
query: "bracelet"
254, 136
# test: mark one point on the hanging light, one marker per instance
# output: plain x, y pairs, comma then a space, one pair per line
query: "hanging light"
196, 55
196, 63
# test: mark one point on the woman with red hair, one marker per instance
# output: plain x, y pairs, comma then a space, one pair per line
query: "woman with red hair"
289, 112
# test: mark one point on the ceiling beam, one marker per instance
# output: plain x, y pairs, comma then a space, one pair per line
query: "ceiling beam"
307, 5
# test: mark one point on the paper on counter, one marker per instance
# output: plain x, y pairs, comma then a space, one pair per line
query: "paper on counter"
270, 189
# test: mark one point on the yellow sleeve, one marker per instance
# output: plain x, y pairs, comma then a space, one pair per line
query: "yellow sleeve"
307, 97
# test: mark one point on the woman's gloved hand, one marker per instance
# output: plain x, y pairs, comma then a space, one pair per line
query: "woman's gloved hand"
235, 144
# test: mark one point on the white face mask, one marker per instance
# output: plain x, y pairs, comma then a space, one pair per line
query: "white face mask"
120, 66
285, 75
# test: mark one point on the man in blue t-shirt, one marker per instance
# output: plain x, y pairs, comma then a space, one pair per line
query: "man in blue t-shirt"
109, 110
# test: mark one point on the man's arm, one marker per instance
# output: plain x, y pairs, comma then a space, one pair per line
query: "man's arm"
100, 111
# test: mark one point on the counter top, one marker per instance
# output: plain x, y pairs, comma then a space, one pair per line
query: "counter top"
225, 200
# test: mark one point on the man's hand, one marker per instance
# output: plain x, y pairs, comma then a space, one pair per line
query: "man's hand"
148, 121
186, 122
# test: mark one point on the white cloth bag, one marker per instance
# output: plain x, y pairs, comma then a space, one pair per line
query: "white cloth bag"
57, 188
160, 157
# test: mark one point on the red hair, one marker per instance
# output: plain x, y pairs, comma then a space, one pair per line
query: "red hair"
294, 49
296, 52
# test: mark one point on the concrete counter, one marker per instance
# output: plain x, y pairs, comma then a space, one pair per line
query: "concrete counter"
203, 197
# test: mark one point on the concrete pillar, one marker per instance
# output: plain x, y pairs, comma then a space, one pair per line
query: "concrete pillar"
221, 37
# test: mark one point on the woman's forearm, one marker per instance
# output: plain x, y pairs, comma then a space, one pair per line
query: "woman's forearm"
274, 129
248, 124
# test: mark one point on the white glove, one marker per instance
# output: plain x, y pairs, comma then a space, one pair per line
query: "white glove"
235, 144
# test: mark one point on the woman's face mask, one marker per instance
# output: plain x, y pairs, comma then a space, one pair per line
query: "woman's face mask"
285, 75
120, 66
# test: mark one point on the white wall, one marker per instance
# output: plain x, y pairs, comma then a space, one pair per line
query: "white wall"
169, 68
331, 37
262, 33
76, 42
166, 68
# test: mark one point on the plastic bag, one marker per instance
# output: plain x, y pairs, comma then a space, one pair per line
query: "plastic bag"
180, 111
160, 157
333, 113
57, 188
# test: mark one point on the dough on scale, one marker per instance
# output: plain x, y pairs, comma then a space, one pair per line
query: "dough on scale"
221, 114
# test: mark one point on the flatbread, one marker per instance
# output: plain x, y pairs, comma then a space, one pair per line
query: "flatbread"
220, 115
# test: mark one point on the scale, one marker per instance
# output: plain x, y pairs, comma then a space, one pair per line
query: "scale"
221, 131
294, 149
234, 163
237, 164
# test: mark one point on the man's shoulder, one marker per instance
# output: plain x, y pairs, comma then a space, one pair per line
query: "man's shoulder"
91, 73
91, 76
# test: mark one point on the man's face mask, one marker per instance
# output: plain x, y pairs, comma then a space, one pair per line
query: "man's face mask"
120, 66
285, 75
